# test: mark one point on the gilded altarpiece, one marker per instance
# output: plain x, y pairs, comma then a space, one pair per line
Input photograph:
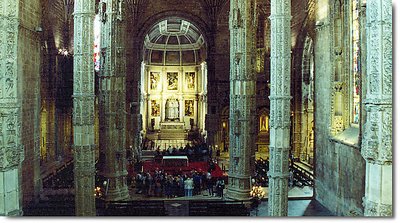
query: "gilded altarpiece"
172, 102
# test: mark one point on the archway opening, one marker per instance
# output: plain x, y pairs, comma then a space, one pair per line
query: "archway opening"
173, 85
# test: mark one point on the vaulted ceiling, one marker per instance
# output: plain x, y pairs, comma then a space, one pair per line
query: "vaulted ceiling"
60, 15
174, 41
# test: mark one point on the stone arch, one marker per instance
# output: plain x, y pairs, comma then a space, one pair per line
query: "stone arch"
197, 21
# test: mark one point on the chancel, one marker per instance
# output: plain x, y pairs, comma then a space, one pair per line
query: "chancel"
196, 108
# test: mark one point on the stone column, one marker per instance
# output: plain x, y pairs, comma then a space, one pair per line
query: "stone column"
11, 149
181, 107
280, 108
112, 103
363, 64
377, 133
83, 110
242, 112
196, 111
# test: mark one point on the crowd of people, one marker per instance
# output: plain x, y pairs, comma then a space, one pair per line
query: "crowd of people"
195, 152
162, 184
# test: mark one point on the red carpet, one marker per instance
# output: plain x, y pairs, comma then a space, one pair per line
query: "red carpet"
151, 166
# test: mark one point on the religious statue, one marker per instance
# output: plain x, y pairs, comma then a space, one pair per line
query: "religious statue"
154, 77
172, 109
172, 81
263, 123
189, 107
190, 78
155, 108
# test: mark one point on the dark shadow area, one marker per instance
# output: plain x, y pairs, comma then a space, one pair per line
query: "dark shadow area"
316, 209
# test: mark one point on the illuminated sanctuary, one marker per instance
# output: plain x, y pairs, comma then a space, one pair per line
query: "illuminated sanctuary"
174, 89
196, 108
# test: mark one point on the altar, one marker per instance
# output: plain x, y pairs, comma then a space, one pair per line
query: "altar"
173, 105
172, 126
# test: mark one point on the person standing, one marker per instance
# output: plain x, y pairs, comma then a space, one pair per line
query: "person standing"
189, 187
209, 184
220, 186
197, 183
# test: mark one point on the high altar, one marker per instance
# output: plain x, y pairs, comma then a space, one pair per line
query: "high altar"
173, 103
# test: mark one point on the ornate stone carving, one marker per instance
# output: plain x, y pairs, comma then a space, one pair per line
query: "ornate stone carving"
112, 88
13, 156
242, 98
280, 107
11, 150
377, 131
377, 209
377, 138
83, 110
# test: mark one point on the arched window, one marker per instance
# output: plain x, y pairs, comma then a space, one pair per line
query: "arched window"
356, 79
307, 118
96, 43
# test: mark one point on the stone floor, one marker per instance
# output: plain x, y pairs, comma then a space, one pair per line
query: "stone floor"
300, 198
300, 203
296, 208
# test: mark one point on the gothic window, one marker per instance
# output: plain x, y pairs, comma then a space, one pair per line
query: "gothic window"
356, 79
307, 109
96, 44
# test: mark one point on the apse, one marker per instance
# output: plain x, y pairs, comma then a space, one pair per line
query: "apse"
173, 85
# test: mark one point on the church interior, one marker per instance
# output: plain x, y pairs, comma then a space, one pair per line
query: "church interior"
105, 105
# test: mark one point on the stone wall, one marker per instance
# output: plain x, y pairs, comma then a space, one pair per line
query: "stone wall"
29, 80
339, 166
340, 177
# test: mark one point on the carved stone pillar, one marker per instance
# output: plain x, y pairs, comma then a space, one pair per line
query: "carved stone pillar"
112, 103
11, 149
242, 98
280, 108
377, 133
363, 64
83, 115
